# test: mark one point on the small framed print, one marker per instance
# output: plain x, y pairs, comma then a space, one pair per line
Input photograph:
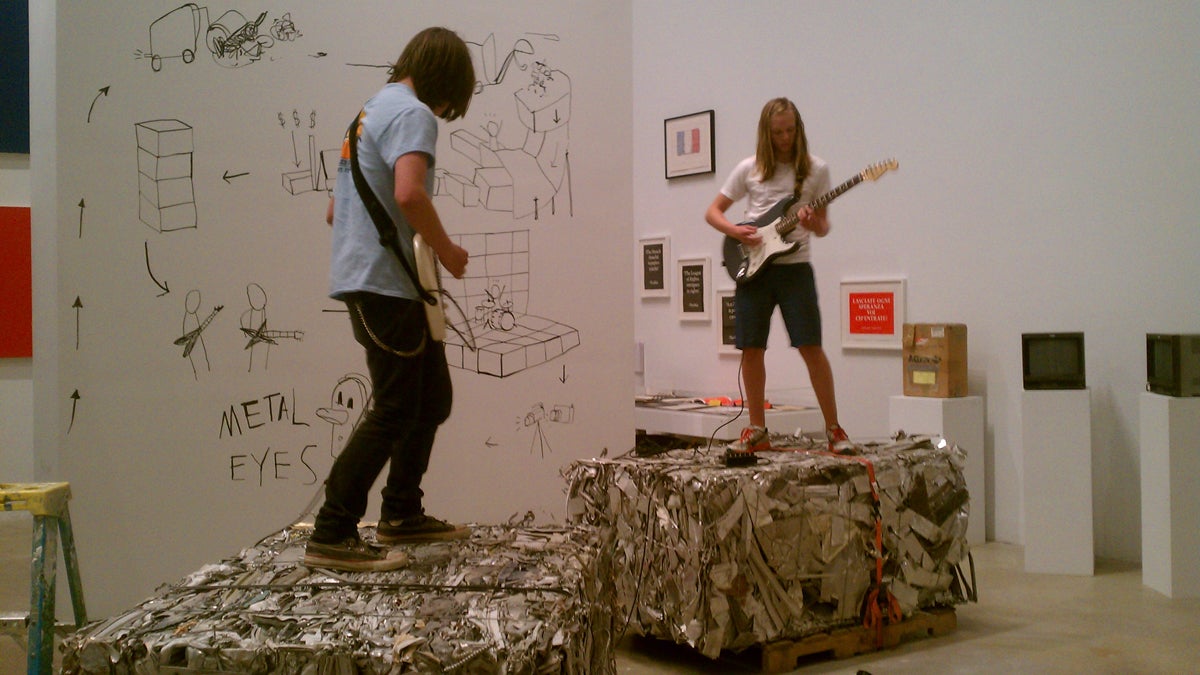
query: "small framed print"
872, 314
688, 144
653, 279
727, 333
693, 276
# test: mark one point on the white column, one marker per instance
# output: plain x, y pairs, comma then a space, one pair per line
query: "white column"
1170, 464
961, 421
1056, 438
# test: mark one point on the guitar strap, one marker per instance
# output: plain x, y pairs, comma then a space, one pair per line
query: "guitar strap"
379, 215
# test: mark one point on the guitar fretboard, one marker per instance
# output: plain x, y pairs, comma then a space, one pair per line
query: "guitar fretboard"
788, 223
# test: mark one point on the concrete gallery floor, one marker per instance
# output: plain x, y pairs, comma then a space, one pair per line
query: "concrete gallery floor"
1023, 623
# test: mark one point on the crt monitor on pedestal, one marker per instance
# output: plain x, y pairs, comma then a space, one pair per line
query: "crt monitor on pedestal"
1053, 361
1173, 364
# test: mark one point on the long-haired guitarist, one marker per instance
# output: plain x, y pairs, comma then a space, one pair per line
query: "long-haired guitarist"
411, 393
780, 168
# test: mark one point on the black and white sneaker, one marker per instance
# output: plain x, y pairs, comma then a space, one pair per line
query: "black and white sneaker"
353, 555
419, 528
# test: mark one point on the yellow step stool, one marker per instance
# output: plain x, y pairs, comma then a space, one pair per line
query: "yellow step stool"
47, 503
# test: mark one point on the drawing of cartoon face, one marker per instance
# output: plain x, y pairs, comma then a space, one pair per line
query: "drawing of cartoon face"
346, 405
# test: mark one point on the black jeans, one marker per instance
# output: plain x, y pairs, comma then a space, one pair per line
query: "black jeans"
411, 396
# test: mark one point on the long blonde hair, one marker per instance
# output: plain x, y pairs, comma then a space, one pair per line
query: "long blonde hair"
764, 157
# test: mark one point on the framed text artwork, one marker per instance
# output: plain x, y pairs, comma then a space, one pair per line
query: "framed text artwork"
728, 328
872, 314
688, 144
693, 276
653, 278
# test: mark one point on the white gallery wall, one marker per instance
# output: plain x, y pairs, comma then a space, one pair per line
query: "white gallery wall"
193, 380
1047, 163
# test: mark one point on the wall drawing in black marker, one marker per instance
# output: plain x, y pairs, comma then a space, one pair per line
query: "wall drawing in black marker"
350, 398
231, 39
193, 331
166, 199
495, 311
495, 69
284, 28
253, 323
538, 417
525, 171
495, 297
178, 34
313, 169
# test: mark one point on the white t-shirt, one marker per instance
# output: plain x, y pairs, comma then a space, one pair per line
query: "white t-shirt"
744, 181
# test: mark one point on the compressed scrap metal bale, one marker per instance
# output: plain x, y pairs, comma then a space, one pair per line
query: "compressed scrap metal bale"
722, 558
507, 600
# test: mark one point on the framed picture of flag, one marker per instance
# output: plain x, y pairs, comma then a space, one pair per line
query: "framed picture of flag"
689, 145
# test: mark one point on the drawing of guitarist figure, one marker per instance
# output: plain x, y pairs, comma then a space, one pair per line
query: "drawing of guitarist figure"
393, 150
781, 168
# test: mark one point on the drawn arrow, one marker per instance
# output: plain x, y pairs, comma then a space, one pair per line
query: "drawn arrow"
164, 288
81, 207
78, 305
103, 92
490, 443
295, 154
226, 176
563, 379
74, 404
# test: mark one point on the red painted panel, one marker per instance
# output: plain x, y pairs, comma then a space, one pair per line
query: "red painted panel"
16, 283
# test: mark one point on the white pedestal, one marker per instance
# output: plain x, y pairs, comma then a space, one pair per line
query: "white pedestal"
704, 421
1170, 462
1056, 440
960, 421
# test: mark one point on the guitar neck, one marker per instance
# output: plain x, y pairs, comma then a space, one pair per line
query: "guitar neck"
788, 224
835, 192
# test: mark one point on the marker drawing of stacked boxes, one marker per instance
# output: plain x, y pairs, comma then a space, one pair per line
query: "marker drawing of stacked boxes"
166, 200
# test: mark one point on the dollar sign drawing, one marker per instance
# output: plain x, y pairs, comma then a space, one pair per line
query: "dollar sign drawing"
296, 117
282, 123
312, 120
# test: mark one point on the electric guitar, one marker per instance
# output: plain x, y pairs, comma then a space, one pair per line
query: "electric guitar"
431, 280
746, 262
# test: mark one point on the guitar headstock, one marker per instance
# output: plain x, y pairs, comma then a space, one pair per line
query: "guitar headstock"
874, 171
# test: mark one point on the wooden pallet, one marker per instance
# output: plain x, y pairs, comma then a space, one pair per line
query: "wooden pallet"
842, 643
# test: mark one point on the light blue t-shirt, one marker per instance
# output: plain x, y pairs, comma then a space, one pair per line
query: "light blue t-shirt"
395, 123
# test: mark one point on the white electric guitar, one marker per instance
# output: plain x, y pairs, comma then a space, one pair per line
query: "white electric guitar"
431, 280
746, 262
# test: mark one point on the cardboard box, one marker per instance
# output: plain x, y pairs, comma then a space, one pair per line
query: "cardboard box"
935, 360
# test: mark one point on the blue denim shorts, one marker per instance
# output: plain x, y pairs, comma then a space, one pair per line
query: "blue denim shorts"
792, 288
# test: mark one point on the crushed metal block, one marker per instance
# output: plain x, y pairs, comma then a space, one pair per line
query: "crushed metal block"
723, 558
508, 599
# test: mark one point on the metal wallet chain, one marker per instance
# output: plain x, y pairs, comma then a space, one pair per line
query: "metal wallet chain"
379, 343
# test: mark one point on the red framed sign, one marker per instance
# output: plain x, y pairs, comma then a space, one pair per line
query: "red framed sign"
872, 314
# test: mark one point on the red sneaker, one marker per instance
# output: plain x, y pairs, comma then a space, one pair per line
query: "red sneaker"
754, 439
839, 440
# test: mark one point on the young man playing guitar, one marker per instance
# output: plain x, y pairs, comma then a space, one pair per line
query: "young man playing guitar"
781, 168
393, 143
